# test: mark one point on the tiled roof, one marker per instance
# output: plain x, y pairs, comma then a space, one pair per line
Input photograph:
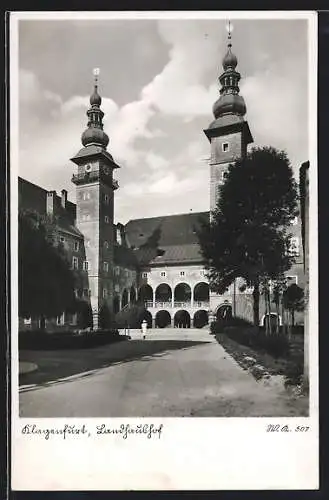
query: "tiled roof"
33, 197
93, 150
164, 231
175, 254
166, 240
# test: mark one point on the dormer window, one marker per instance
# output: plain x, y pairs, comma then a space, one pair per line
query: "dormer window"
225, 147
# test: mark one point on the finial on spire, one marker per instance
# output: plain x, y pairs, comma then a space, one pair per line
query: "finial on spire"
229, 29
96, 74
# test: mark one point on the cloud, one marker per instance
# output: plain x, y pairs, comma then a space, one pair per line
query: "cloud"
157, 137
276, 110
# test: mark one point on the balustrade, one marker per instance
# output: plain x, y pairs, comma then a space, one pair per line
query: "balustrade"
177, 305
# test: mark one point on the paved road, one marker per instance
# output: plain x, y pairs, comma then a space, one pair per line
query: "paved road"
173, 373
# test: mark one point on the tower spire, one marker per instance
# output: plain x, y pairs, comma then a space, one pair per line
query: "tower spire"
94, 134
229, 102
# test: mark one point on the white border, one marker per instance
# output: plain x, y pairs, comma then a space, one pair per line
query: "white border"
203, 453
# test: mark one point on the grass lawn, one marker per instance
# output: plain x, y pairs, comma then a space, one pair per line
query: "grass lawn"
291, 366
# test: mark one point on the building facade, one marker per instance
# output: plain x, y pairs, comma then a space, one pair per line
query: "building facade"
152, 260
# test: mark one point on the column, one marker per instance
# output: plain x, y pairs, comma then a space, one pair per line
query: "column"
192, 296
172, 297
153, 298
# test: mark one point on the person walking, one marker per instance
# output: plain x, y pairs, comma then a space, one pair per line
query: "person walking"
144, 328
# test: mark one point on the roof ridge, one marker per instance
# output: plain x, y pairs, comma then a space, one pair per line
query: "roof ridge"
165, 216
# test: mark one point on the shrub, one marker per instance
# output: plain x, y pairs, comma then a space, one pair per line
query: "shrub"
220, 325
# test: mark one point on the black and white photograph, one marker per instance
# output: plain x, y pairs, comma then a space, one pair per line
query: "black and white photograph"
163, 181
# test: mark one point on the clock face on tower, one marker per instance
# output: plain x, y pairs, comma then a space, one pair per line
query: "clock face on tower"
88, 168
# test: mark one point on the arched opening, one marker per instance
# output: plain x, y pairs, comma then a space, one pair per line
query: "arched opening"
132, 295
162, 319
145, 294
201, 292
163, 293
116, 304
200, 319
124, 301
148, 318
274, 320
182, 293
182, 319
224, 312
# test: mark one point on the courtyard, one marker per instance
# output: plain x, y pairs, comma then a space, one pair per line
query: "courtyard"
172, 373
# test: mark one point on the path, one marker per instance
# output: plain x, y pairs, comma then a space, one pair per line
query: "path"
195, 378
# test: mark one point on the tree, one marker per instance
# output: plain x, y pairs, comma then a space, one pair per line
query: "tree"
293, 300
46, 283
247, 235
131, 316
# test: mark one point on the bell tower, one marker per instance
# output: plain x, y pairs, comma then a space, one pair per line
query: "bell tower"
95, 188
229, 133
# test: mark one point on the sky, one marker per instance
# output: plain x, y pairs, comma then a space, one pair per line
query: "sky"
158, 81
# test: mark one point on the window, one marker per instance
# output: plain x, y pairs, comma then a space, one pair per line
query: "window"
106, 244
127, 273
144, 275
62, 239
116, 288
294, 246
60, 320
104, 293
182, 273
72, 319
86, 195
292, 280
76, 246
106, 199
225, 147
117, 271
86, 292
107, 219
294, 221
224, 175
106, 266
75, 263
202, 273
27, 321
163, 274
85, 217
86, 265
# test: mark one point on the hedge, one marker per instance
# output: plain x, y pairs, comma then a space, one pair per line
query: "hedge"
276, 344
37, 339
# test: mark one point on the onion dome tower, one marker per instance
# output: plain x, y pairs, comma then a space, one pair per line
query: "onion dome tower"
95, 187
229, 133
